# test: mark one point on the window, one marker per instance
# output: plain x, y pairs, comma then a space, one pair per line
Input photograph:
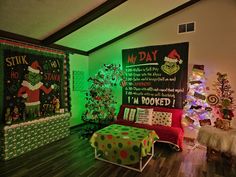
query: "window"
186, 27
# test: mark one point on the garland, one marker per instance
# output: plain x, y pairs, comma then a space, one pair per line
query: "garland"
36, 121
8, 44
67, 83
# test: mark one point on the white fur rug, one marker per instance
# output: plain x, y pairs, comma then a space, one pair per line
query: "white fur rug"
218, 139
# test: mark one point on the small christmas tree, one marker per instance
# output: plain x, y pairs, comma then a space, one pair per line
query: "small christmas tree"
196, 108
224, 103
100, 106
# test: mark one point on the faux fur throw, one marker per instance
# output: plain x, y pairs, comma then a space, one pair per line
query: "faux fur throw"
218, 139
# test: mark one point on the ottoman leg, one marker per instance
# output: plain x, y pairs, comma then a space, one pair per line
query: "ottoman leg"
228, 158
212, 154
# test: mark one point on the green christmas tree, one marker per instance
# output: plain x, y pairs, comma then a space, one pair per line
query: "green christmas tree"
100, 106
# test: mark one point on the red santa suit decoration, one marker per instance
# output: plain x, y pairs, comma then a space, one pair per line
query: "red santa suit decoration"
32, 92
31, 88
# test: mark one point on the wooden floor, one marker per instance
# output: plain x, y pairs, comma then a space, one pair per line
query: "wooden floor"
74, 157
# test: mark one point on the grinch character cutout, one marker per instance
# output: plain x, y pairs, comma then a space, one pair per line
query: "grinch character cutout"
172, 61
30, 90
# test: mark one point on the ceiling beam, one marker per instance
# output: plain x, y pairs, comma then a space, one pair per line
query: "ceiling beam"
82, 21
68, 49
17, 37
171, 12
21, 38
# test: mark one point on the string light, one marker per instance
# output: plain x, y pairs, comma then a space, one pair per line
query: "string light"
196, 104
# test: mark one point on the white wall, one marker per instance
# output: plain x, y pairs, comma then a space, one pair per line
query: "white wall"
77, 63
213, 44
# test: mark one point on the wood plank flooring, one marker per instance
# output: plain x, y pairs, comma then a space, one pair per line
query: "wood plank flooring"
74, 157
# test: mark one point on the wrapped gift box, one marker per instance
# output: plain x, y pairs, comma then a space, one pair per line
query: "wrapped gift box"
20, 138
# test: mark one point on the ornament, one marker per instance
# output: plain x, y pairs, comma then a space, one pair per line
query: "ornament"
187, 121
205, 122
195, 82
213, 99
226, 102
56, 104
195, 107
15, 113
8, 116
227, 114
208, 108
222, 124
97, 98
123, 83
93, 93
199, 95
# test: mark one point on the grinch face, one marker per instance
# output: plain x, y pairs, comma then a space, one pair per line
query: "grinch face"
33, 78
170, 67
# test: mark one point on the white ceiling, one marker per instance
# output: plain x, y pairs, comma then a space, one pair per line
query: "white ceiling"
38, 19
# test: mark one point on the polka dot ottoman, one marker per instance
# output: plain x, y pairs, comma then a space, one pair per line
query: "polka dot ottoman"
124, 145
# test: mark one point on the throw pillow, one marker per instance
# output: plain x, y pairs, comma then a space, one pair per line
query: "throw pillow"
132, 114
129, 114
162, 118
126, 114
144, 116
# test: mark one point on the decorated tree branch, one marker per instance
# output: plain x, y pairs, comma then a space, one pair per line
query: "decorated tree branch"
100, 106
223, 100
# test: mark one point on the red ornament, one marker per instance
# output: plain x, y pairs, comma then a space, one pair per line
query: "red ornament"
97, 98
145, 142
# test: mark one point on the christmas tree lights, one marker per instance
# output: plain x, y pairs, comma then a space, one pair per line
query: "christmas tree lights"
196, 107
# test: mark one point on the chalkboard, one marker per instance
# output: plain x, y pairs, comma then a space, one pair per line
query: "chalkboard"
156, 75
34, 85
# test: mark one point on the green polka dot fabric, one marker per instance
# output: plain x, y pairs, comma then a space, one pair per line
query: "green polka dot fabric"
162, 118
123, 144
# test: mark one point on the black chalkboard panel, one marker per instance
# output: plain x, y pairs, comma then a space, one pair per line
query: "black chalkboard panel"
156, 75
33, 85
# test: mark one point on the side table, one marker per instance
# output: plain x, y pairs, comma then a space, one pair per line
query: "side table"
219, 143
